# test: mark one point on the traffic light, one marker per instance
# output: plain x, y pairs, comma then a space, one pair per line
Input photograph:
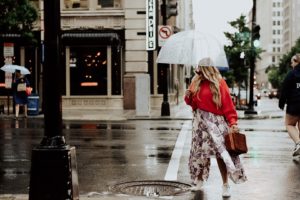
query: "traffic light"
171, 9
256, 35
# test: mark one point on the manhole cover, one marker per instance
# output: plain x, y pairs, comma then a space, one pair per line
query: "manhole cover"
151, 188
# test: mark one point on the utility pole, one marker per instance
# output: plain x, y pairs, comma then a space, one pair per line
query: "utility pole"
53, 164
165, 106
167, 9
251, 110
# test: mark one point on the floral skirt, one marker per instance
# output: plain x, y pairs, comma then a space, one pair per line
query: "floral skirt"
207, 140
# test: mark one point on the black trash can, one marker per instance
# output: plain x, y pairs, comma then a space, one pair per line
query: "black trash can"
33, 104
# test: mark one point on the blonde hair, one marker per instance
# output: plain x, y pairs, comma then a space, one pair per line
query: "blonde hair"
211, 74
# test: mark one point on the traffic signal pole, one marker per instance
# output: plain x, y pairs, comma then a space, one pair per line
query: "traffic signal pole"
250, 109
165, 106
53, 163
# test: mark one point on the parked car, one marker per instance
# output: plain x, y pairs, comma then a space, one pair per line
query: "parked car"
273, 94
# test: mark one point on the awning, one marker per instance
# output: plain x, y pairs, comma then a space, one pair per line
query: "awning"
94, 38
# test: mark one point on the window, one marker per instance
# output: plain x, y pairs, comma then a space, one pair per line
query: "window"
76, 4
278, 23
106, 3
278, 49
273, 59
88, 70
274, 32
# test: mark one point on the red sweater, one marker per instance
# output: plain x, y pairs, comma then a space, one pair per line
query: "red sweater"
203, 100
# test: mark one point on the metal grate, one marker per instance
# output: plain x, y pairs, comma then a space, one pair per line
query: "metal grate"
151, 188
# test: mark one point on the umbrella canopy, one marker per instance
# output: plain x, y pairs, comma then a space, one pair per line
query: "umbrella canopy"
12, 68
189, 47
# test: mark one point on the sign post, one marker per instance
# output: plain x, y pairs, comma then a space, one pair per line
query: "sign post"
8, 53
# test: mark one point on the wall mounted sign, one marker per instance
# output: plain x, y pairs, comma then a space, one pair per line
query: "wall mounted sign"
151, 25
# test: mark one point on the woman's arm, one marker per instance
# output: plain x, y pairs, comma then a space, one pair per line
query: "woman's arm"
228, 107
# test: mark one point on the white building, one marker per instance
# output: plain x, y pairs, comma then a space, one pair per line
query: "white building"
291, 25
280, 28
269, 15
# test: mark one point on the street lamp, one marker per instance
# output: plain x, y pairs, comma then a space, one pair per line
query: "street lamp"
53, 164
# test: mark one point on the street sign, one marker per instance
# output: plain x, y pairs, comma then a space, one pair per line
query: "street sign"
164, 32
8, 50
151, 25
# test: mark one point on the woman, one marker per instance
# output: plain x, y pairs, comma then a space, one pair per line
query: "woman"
19, 91
290, 95
214, 116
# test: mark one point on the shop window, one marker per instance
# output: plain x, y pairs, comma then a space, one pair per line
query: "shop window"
116, 71
109, 3
88, 71
75, 4
30, 64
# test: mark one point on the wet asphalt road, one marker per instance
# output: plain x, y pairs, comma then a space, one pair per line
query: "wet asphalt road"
113, 152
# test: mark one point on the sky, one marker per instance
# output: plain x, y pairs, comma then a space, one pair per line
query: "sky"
214, 15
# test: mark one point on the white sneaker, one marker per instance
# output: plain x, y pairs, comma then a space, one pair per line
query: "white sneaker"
297, 150
226, 190
198, 186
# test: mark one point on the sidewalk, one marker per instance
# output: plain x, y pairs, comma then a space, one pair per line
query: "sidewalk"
177, 112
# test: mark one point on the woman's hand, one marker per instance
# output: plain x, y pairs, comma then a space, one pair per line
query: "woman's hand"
188, 93
234, 129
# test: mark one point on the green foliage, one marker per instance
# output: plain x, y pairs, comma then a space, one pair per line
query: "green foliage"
276, 74
240, 43
17, 17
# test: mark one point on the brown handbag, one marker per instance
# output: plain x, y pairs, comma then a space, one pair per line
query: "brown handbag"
236, 143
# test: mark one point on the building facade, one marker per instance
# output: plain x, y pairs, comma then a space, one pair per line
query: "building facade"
269, 16
280, 28
291, 26
105, 61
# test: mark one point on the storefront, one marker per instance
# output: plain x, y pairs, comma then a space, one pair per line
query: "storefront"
93, 69
25, 53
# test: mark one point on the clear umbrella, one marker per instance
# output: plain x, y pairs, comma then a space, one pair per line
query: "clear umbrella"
189, 47
12, 68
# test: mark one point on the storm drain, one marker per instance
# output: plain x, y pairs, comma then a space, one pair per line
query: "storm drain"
150, 188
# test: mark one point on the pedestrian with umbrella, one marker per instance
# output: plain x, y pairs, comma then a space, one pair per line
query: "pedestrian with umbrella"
214, 117
20, 96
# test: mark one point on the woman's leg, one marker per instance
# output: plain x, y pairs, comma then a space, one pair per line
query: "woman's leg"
290, 123
223, 170
25, 110
17, 108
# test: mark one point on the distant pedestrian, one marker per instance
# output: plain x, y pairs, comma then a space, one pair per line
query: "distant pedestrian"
214, 116
290, 95
19, 93
176, 86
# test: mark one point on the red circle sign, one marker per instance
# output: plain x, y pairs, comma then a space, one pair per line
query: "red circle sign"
165, 32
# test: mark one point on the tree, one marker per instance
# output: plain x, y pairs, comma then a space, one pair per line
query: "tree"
240, 42
17, 17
